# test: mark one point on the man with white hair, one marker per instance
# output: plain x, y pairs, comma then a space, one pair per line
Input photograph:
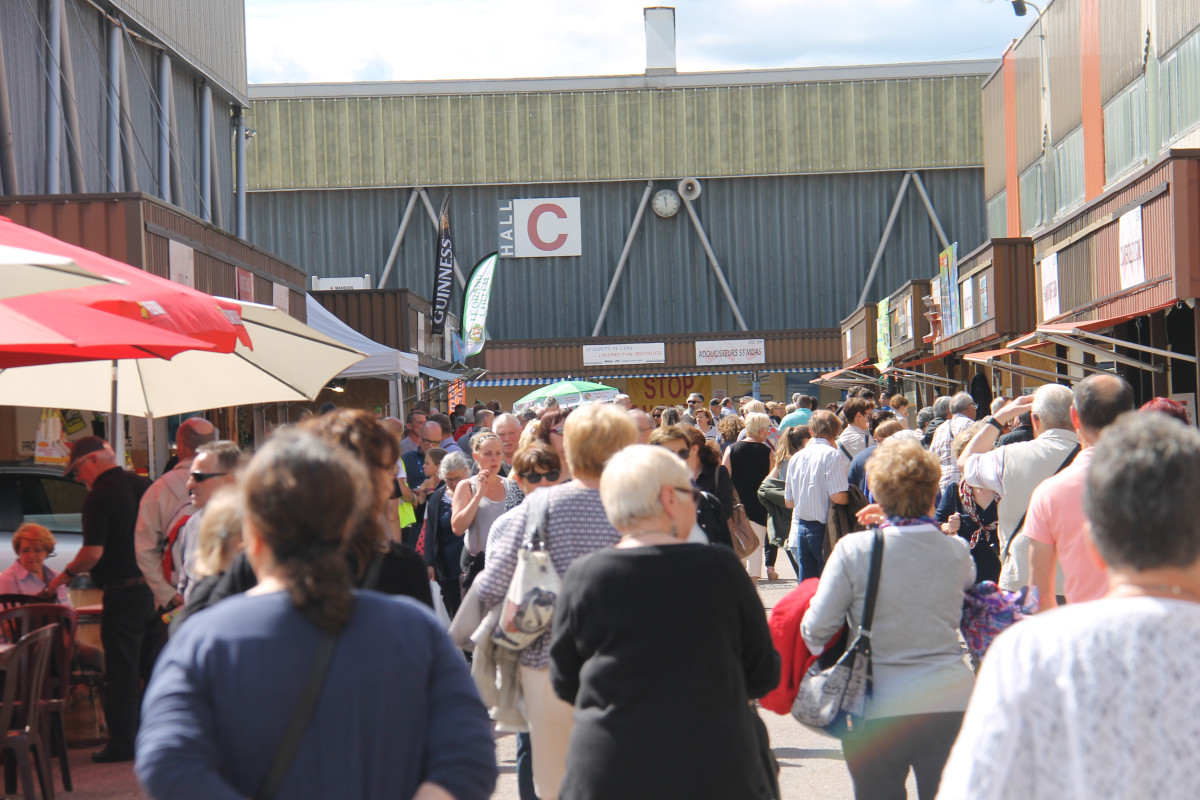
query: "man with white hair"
962, 414
508, 428
1015, 470
644, 424
623, 401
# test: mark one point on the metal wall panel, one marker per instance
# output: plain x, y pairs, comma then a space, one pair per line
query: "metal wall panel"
537, 137
1122, 44
1065, 69
1068, 171
210, 35
1180, 88
1032, 185
994, 176
1175, 20
1027, 59
23, 32
997, 215
796, 249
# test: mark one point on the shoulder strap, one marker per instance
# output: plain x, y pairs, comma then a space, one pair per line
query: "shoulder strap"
845, 452
537, 520
1021, 523
300, 719
872, 583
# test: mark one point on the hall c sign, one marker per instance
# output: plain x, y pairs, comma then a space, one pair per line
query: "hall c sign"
540, 228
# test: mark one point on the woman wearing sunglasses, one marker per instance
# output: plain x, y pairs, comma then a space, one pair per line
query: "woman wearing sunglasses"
707, 474
550, 431
479, 502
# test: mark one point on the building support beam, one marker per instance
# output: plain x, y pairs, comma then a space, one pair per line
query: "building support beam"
71, 114
404, 218
633, 229
239, 141
54, 104
883, 240
206, 182
129, 158
214, 179
113, 111
716, 265
176, 151
8, 152
433, 217
164, 126
933, 217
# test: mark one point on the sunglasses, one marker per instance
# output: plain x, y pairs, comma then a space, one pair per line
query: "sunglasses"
657, 416
693, 402
201, 477
536, 477
693, 491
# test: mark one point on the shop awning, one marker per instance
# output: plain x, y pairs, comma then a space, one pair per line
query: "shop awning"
381, 361
846, 377
920, 377
1082, 336
438, 374
991, 358
678, 373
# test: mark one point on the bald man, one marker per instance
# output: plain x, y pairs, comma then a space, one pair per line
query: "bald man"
644, 424
165, 507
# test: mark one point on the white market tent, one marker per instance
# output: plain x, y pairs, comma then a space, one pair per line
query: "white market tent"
381, 361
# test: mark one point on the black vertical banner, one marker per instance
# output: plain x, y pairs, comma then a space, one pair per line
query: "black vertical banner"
443, 273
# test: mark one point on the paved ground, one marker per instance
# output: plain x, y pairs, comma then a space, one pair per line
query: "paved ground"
811, 764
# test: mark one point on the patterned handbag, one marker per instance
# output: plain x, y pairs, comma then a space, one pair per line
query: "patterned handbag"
834, 699
528, 606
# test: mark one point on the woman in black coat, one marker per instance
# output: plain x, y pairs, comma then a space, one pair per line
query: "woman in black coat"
443, 550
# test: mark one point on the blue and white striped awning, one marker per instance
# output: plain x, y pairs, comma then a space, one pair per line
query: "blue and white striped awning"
673, 374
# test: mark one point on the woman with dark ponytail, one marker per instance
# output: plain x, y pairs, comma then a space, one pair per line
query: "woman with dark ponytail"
396, 713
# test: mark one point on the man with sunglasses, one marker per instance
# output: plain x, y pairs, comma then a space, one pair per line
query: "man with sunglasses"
213, 468
129, 630
165, 509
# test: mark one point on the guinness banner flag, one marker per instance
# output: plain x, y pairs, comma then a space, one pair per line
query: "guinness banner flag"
475, 304
443, 272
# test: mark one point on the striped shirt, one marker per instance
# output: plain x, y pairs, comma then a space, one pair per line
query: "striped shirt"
813, 475
577, 526
942, 446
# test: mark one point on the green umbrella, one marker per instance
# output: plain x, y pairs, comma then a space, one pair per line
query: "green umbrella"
568, 394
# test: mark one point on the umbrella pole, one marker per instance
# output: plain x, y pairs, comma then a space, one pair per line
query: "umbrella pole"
151, 466
112, 415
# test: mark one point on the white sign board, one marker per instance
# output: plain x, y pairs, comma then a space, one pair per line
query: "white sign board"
598, 355
1133, 268
968, 303
1049, 273
848, 339
281, 297
731, 351
181, 263
543, 227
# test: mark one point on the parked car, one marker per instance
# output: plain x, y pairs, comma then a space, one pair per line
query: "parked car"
37, 493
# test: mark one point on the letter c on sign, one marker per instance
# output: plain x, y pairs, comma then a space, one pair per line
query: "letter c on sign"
534, 216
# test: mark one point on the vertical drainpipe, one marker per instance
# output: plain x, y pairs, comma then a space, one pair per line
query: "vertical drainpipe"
54, 104
164, 127
113, 154
71, 116
205, 153
8, 155
240, 143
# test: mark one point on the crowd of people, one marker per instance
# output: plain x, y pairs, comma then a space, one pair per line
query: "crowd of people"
305, 657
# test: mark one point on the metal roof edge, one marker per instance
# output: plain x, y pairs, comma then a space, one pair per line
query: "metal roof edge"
682, 80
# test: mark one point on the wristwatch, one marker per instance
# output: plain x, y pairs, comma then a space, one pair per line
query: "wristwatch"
990, 420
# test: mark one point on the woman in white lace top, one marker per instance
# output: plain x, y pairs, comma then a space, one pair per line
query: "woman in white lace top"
1098, 700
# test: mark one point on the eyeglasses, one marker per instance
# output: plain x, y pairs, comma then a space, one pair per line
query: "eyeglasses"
690, 490
682, 453
431, 442
693, 402
536, 477
201, 477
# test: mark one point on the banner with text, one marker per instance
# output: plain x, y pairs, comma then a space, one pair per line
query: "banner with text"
646, 393
883, 334
1049, 274
599, 355
541, 227
443, 270
731, 351
475, 304
1133, 267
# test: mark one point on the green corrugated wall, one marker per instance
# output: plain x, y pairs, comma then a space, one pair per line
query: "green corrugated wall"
774, 129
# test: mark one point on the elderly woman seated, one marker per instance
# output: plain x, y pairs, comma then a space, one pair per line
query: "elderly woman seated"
624, 649
29, 574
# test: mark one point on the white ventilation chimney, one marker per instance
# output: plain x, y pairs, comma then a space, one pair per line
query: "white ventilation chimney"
660, 40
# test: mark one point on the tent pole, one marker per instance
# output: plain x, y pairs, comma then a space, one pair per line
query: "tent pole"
152, 460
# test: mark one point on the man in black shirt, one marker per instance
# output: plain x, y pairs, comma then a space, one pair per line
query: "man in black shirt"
1022, 433
129, 630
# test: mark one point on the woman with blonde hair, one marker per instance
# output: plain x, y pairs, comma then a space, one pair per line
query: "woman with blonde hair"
479, 501
576, 525
648, 722
921, 681
749, 463
33, 544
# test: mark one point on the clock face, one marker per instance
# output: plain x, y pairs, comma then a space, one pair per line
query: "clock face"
665, 203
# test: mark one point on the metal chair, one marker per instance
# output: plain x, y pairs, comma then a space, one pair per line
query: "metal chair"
21, 620
20, 715
8, 601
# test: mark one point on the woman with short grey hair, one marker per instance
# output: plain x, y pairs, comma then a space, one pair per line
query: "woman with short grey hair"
650, 721
1098, 699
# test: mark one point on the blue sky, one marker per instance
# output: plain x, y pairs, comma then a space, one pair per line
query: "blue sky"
300, 41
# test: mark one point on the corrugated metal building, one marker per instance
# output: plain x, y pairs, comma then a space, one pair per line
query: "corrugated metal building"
799, 170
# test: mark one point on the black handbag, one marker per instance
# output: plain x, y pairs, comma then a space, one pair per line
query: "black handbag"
834, 698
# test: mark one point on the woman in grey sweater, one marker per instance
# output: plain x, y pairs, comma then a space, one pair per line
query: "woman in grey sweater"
922, 683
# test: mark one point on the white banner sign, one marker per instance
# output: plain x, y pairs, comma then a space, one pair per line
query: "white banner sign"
181, 263
540, 228
968, 303
1133, 268
598, 355
1050, 287
732, 351
281, 297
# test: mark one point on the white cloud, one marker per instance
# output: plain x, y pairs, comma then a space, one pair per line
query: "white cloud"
320, 40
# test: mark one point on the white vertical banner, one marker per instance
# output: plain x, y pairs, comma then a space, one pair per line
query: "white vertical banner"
181, 261
281, 297
1133, 267
1049, 275
968, 303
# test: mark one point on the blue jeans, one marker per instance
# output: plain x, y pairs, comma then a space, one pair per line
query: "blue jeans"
525, 768
809, 549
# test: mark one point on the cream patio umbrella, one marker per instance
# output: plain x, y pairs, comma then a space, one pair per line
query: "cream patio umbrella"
24, 272
286, 361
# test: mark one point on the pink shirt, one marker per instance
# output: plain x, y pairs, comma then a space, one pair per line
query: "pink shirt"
1056, 517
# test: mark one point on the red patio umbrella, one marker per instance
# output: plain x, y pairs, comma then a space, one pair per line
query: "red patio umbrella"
140, 296
40, 329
